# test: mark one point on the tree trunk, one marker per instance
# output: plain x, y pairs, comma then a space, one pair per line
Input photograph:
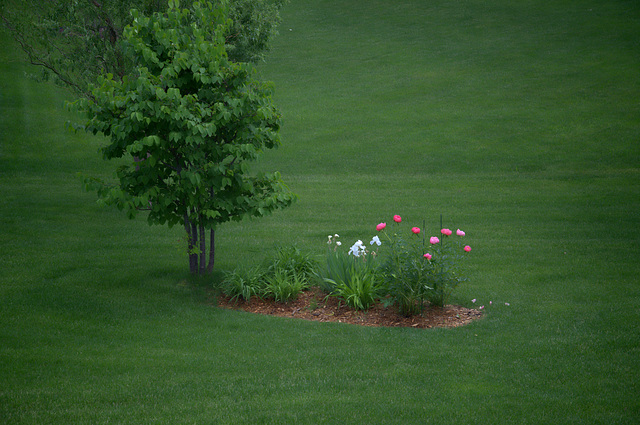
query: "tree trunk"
197, 247
193, 254
203, 251
212, 251
193, 261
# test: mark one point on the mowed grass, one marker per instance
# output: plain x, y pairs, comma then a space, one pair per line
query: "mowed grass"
517, 122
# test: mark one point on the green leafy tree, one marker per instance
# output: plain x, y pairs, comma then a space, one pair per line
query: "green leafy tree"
188, 121
74, 41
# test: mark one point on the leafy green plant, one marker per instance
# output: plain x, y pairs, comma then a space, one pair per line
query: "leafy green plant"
77, 41
445, 275
187, 121
416, 272
336, 266
286, 274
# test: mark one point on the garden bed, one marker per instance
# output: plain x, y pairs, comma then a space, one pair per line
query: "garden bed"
315, 305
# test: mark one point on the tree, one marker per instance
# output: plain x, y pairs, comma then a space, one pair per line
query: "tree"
74, 41
196, 120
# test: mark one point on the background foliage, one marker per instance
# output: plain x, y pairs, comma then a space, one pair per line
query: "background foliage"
73, 42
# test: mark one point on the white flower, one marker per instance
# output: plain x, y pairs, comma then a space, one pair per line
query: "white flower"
357, 248
375, 240
338, 243
336, 235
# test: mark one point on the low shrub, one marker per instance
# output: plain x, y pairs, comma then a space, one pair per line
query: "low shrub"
417, 271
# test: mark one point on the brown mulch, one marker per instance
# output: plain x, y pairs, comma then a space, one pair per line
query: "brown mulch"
315, 305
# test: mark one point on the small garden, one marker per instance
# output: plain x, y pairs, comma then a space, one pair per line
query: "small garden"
400, 278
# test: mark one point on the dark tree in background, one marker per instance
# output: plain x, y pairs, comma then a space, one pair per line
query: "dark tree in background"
75, 41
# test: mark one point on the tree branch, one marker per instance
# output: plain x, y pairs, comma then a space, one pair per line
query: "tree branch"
38, 61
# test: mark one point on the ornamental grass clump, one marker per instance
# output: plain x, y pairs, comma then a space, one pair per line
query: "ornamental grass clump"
287, 274
353, 275
243, 284
280, 278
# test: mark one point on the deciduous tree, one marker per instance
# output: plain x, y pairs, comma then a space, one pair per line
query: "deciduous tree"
195, 119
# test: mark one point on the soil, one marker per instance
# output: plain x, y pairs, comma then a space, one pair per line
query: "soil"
315, 305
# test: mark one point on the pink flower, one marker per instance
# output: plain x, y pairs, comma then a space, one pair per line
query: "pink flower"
415, 230
473, 300
446, 232
507, 304
459, 232
467, 248
427, 256
381, 226
397, 218
434, 240
481, 307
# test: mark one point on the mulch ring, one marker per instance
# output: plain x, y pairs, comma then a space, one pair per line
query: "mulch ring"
317, 306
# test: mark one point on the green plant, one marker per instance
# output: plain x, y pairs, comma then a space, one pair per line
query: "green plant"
353, 275
281, 278
243, 285
283, 285
287, 274
292, 260
336, 266
415, 272
445, 275
186, 122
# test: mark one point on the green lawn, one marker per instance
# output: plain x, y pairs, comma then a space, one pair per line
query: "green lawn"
519, 122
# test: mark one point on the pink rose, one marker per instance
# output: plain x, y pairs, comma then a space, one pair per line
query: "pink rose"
415, 230
459, 232
467, 248
446, 232
434, 240
397, 218
427, 256
381, 226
